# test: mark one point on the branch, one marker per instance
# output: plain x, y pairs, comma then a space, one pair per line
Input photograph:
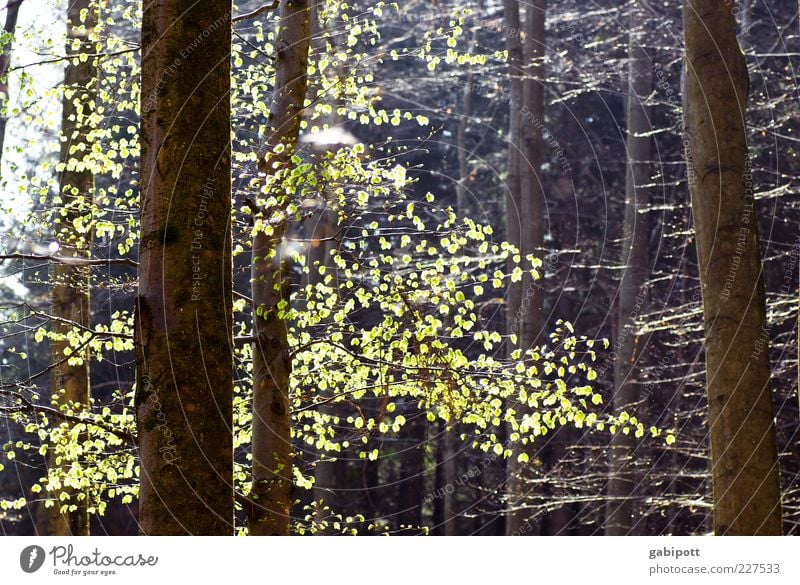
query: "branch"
256, 12
28, 406
5, 387
70, 260
65, 57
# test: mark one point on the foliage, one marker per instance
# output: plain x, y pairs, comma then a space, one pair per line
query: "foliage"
406, 313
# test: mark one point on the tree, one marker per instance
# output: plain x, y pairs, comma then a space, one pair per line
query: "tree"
744, 458
528, 321
621, 516
184, 379
272, 447
9, 29
73, 227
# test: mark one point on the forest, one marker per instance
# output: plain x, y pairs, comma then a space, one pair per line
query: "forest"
437, 267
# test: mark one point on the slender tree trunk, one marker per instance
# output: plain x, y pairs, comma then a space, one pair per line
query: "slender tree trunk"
532, 221
71, 283
320, 231
411, 478
744, 459
747, 22
513, 197
449, 451
321, 228
621, 510
449, 475
513, 31
461, 145
184, 379
12, 12
272, 448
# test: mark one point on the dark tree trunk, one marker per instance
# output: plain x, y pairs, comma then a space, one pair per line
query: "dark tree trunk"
272, 447
621, 510
744, 458
184, 345
12, 12
528, 321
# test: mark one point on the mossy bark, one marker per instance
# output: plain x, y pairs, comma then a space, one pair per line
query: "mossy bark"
272, 448
184, 343
744, 458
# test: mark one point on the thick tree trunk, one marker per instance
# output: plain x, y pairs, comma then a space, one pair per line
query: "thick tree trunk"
529, 316
745, 473
621, 510
184, 381
71, 284
12, 12
272, 448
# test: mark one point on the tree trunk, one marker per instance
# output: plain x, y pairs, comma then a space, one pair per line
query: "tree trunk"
513, 197
320, 231
272, 448
449, 452
461, 145
71, 283
321, 226
621, 510
12, 12
513, 201
184, 344
529, 317
745, 473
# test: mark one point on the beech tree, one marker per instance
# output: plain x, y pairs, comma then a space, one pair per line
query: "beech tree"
527, 323
622, 516
387, 325
272, 438
744, 457
71, 276
9, 29
184, 378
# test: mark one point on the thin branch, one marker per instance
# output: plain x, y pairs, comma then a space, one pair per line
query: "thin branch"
256, 12
70, 260
28, 406
64, 58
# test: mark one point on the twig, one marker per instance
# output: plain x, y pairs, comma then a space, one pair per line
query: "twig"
70, 260
28, 406
256, 12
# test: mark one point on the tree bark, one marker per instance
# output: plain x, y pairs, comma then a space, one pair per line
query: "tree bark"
513, 197
321, 227
184, 344
71, 282
745, 473
621, 510
461, 144
449, 437
529, 316
272, 448
12, 12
